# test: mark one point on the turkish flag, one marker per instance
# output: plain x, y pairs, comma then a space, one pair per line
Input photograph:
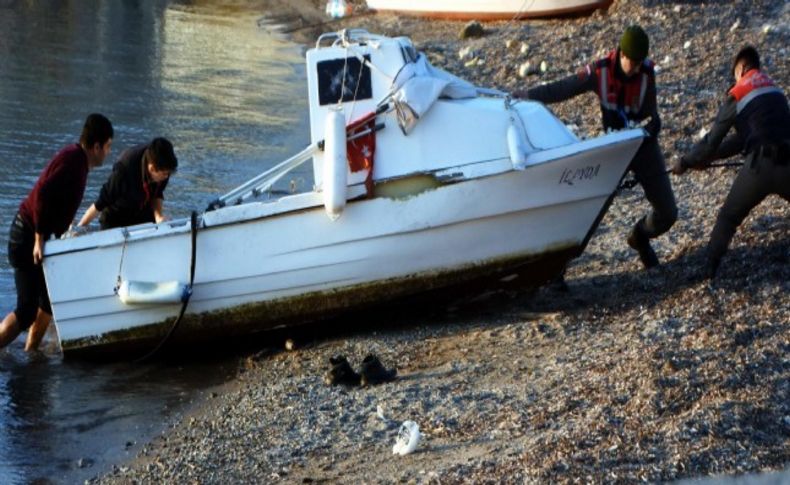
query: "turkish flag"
361, 147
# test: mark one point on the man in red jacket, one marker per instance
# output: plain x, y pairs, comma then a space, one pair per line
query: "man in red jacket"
625, 84
49, 210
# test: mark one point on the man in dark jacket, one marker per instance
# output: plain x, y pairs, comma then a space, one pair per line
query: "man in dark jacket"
758, 110
48, 210
625, 83
134, 192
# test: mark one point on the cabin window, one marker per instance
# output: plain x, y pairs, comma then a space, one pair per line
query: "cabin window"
341, 80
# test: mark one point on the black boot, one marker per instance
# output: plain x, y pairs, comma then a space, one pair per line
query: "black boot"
711, 267
638, 240
373, 372
558, 284
341, 372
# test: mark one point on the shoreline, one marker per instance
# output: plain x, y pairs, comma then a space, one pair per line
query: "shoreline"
630, 375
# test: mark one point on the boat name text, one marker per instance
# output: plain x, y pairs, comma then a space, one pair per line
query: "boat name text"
569, 176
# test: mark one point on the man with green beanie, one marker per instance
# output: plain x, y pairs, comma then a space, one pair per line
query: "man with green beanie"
625, 83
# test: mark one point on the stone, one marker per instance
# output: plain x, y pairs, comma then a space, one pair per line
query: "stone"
473, 29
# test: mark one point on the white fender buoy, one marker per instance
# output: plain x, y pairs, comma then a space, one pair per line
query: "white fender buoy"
335, 175
515, 145
131, 292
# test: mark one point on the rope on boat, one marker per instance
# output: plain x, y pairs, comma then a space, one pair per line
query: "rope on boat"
120, 265
187, 295
632, 182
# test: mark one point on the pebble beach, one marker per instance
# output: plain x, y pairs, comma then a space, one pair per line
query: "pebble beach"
625, 375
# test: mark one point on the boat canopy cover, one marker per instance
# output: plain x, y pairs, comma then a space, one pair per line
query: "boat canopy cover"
418, 85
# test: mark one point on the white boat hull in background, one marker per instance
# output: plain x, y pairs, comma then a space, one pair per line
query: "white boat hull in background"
487, 9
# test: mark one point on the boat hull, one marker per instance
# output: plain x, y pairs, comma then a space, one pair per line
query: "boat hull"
256, 270
237, 323
486, 10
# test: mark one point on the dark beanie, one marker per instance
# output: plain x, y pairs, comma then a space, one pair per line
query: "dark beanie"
634, 43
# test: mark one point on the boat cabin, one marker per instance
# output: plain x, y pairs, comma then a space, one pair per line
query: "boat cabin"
462, 130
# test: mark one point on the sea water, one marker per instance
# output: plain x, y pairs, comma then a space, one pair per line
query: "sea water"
231, 97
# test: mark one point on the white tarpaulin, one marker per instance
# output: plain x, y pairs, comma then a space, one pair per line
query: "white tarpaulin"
418, 85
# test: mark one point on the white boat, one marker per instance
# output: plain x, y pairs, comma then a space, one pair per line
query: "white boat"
465, 183
487, 9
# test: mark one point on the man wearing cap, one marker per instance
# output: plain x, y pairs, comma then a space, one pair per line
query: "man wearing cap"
625, 83
758, 110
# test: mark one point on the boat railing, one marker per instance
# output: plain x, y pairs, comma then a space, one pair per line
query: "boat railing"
263, 182
347, 36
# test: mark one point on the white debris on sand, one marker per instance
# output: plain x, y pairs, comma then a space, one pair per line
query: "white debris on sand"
525, 69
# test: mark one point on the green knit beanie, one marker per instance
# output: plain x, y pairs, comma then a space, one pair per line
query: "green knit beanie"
634, 43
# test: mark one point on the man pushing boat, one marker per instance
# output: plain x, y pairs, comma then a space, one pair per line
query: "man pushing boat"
134, 192
625, 83
48, 210
757, 108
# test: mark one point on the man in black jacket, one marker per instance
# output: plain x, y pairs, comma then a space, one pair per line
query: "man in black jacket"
625, 83
134, 193
758, 110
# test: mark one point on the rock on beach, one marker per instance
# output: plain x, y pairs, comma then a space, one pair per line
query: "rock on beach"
629, 375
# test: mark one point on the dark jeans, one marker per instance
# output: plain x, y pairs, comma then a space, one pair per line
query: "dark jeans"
31, 288
761, 175
651, 173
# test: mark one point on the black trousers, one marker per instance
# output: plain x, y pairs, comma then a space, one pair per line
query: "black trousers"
31, 288
651, 173
765, 172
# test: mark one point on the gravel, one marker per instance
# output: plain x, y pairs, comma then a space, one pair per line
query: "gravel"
628, 375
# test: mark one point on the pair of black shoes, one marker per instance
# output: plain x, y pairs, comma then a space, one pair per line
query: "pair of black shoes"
372, 372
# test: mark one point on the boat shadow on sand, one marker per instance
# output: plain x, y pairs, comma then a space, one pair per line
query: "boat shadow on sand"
742, 269
707, 391
693, 386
